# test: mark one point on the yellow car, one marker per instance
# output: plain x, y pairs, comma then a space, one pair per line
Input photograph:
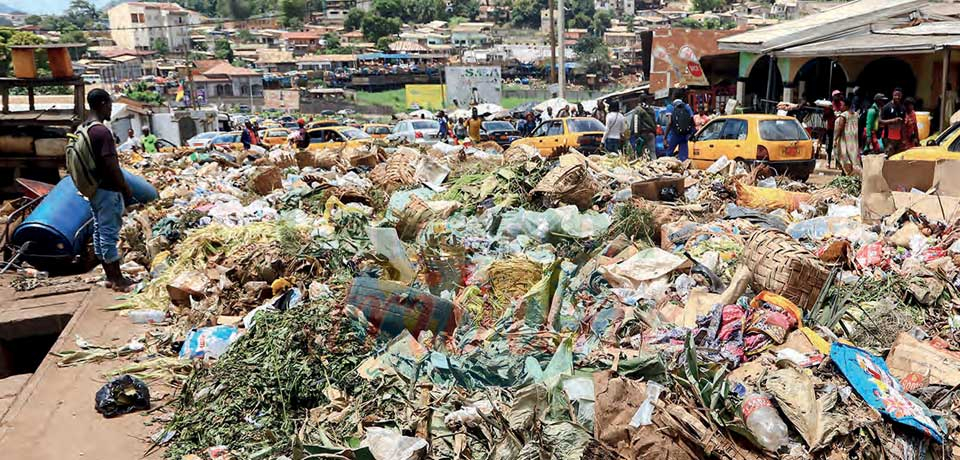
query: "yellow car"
337, 137
945, 146
325, 123
274, 136
377, 130
779, 141
553, 137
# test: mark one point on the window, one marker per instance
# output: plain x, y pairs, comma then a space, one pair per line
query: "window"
134, 18
712, 131
555, 128
354, 133
782, 130
401, 127
955, 146
734, 130
426, 124
585, 125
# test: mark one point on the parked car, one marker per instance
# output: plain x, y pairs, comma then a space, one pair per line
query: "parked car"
377, 130
501, 132
326, 123
202, 141
227, 140
274, 136
945, 146
416, 131
336, 137
779, 141
554, 137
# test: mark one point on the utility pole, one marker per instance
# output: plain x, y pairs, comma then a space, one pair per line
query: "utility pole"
562, 75
553, 44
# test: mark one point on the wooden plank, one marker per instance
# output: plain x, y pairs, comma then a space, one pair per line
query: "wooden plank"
31, 100
58, 289
6, 99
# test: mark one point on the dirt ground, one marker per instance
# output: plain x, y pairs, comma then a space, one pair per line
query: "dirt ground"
53, 416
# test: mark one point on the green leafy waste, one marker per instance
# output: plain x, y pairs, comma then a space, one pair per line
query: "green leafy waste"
258, 394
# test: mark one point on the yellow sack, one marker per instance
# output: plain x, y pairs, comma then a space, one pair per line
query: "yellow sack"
768, 199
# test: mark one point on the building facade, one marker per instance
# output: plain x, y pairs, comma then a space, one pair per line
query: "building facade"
138, 25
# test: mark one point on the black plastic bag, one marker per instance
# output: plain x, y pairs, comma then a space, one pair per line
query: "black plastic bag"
122, 395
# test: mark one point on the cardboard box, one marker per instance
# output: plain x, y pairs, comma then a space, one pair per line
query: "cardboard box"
891, 185
650, 189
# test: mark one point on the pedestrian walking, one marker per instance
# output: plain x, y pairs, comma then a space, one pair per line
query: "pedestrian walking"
643, 130
679, 128
891, 120
614, 129
846, 140
872, 126
444, 125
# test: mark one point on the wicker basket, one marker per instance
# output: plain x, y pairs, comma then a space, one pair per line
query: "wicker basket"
782, 265
570, 184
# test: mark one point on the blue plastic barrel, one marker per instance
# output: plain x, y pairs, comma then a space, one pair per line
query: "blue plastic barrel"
61, 225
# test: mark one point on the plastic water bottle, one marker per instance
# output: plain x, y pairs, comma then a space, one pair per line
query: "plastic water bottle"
623, 195
147, 316
764, 421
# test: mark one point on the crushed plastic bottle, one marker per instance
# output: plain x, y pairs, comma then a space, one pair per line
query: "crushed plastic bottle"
147, 316
764, 422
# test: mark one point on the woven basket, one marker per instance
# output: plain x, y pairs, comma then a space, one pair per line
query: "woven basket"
570, 184
782, 265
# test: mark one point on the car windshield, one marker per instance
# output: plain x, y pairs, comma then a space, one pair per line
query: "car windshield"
498, 126
946, 133
782, 130
354, 133
204, 136
225, 138
378, 130
426, 124
584, 125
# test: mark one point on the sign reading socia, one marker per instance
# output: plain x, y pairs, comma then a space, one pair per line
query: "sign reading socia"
466, 86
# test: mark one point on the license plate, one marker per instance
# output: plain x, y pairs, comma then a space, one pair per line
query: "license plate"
790, 151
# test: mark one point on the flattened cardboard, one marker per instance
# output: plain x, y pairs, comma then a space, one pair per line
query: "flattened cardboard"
887, 185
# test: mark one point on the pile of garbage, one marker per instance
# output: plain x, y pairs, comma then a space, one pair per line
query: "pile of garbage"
400, 302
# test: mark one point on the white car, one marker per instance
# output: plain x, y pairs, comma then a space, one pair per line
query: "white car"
416, 132
202, 141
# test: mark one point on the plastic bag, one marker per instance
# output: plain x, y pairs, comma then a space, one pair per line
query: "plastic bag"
770, 198
122, 395
389, 444
208, 342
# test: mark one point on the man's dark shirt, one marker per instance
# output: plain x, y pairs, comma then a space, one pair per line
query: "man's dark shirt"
105, 158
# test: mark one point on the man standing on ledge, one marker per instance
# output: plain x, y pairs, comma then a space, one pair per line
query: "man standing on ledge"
112, 190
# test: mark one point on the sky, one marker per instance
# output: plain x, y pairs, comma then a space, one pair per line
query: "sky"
44, 6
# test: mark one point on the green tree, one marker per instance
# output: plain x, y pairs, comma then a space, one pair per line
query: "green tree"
245, 35
469, 9
74, 35
222, 49
84, 15
33, 20
376, 27
628, 20
236, 9
601, 22
142, 93
708, 23
161, 46
581, 12
707, 5
389, 9
292, 11
592, 55
525, 13
354, 19
383, 43
21, 37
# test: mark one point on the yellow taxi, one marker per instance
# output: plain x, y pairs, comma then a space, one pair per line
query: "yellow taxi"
779, 141
229, 140
274, 136
945, 146
377, 130
554, 137
336, 137
325, 123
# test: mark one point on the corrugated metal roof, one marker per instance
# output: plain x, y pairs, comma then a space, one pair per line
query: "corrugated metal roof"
824, 25
927, 28
872, 44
